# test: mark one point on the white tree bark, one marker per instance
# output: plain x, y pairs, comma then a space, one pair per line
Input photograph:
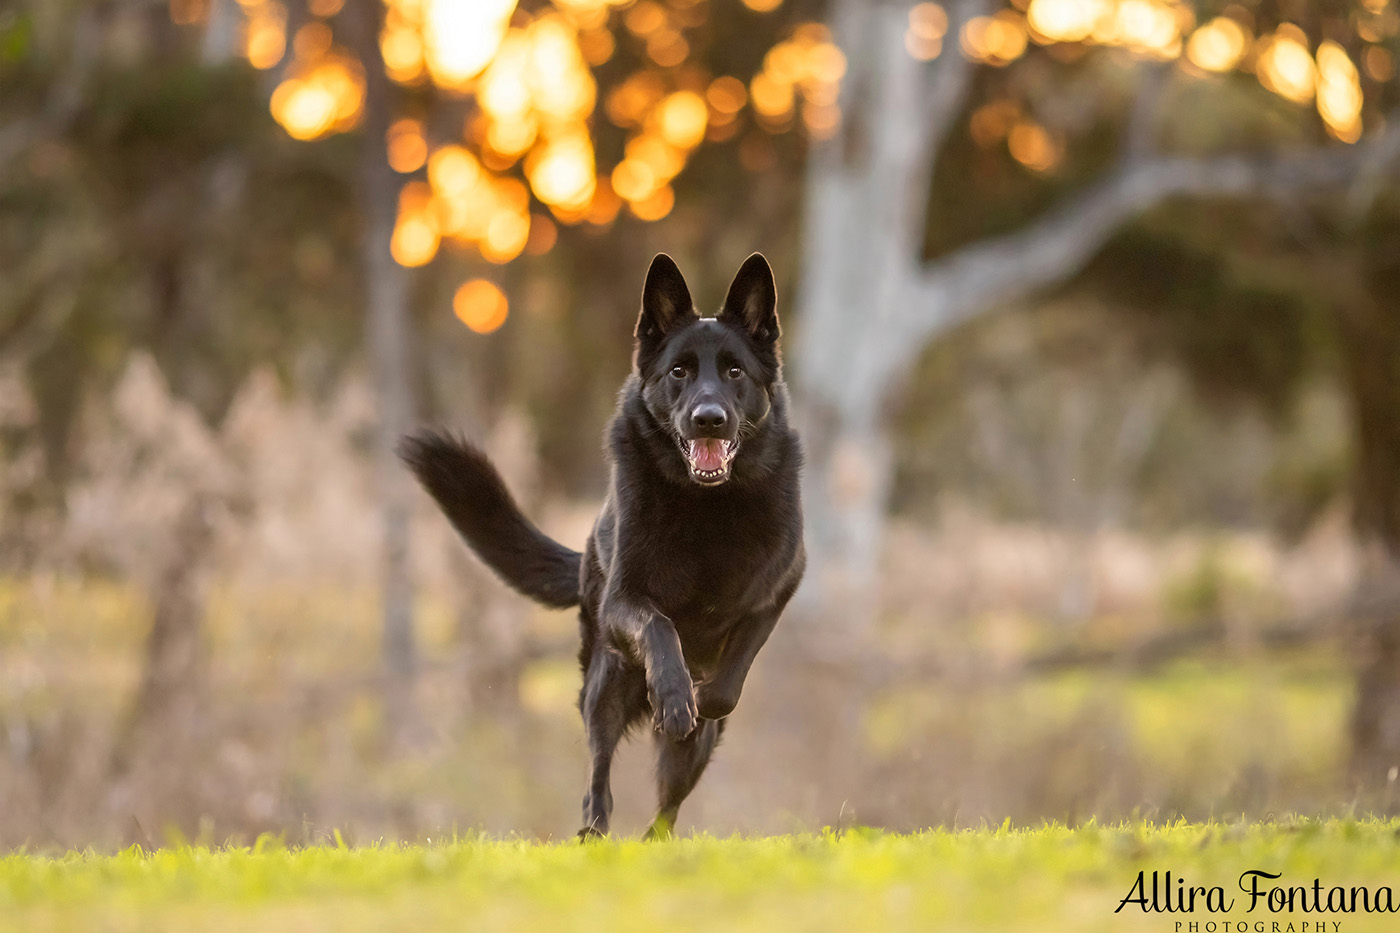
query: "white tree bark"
867, 192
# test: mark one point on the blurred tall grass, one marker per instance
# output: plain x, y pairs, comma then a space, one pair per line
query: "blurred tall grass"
288, 738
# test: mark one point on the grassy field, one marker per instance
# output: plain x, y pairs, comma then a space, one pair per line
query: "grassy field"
1006, 879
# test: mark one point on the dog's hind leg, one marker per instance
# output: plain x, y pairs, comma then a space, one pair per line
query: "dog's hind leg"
614, 697
679, 764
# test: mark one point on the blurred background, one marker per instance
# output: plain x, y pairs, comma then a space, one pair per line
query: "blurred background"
1092, 323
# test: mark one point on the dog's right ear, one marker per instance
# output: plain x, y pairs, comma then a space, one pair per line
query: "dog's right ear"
665, 301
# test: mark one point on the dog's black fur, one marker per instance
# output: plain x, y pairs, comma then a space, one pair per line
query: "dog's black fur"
699, 544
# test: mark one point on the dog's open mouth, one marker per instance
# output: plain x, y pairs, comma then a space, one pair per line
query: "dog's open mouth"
709, 458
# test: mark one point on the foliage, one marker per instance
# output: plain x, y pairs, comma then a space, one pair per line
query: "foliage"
172, 220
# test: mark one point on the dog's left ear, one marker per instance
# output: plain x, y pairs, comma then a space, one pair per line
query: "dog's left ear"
753, 300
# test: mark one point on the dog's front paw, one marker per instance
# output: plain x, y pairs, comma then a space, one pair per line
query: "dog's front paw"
674, 711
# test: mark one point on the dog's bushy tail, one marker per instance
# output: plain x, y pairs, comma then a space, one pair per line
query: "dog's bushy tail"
474, 498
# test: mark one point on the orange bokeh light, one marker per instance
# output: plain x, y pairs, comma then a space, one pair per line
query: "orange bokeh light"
1285, 66
325, 98
481, 305
681, 118
461, 37
1032, 146
655, 205
408, 148
265, 41
506, 236
727, 94
1218, 45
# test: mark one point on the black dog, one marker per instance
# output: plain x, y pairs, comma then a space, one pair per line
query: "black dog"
699, 544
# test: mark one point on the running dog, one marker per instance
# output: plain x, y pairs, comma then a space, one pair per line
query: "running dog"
698, 547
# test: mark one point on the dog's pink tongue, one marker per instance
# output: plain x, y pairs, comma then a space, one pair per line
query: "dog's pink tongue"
707, 453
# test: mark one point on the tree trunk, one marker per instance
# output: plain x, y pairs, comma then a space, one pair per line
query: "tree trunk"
1370, 337
863, 240
167, 703
386, 331
387, 310
866, 195
1375, 714
848, 474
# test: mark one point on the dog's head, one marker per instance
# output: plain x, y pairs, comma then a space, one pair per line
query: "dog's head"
708, 381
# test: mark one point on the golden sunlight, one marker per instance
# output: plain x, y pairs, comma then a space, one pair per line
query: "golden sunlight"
630, 102
506, 236
407, 146
995, 40
462, 36
1380, 64
646, 18
1218, 45
1065, 20
189, 12
809, 63
928, 23
591, 15
1338, 92
265, 40
321, 99
655, 206
633, 179
401, 46
1032, 146
727, 95
771, 97
415, 239
512, 138
312, 40
605, 206
561, 172
992, 122
1148, 27
681, 118
1284, 65
453, 172
532, 80
480, 305
561, 86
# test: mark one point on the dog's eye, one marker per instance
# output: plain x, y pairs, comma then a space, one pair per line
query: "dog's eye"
735, 372
677, 372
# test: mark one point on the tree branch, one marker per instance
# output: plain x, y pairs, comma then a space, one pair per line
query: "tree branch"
950, 76
981, 277
1154, 79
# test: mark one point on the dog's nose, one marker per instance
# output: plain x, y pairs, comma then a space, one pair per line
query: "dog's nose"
709, 416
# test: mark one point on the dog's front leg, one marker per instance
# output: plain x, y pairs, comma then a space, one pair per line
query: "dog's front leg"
719, 694
669, 686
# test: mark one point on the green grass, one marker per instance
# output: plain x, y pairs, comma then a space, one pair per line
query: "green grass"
1044, 879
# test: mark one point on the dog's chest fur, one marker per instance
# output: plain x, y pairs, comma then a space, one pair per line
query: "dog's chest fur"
705, 558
